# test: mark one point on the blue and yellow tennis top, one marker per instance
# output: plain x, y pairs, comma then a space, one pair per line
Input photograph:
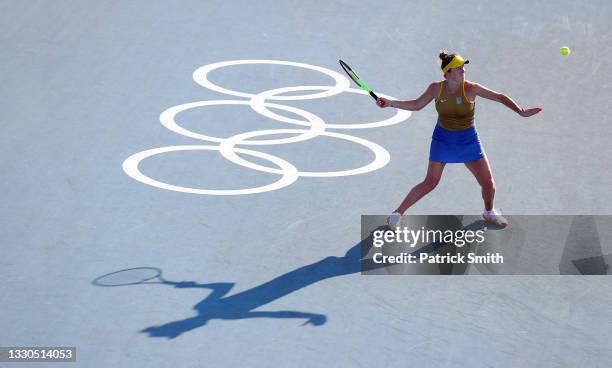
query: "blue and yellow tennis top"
455, 112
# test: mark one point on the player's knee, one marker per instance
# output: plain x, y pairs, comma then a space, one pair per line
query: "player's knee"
431, 182
488, 185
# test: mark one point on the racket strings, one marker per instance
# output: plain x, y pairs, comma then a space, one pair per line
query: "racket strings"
129, 277
350, 73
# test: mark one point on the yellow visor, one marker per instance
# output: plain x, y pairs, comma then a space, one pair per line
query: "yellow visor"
455, 63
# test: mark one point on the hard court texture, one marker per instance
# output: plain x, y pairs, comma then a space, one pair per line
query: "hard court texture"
251, 279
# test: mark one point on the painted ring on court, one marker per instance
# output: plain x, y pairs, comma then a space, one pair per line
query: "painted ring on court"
167, 118
200, 77
258, 104
288, 171
381, 158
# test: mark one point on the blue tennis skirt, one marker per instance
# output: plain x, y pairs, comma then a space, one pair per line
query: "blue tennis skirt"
455, 146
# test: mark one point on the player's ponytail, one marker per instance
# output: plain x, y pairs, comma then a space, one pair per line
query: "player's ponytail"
445, 58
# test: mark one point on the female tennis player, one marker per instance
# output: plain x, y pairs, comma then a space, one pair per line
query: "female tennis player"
455, 139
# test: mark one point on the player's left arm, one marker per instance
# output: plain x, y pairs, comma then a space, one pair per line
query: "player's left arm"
489, 94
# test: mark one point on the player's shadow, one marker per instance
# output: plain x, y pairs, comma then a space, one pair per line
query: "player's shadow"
243, 304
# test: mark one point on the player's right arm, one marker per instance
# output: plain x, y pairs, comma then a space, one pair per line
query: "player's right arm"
414, 105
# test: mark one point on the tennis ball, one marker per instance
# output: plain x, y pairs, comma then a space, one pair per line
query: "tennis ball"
565, 50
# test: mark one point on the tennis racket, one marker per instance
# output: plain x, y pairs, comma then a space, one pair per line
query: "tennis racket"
357, 79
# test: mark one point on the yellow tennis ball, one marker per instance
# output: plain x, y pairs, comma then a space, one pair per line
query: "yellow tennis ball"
565, 50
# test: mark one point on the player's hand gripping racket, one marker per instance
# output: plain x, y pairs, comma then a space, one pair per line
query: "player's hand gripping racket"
357, 79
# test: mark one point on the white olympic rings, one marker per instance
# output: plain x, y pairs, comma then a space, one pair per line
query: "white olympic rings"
200, 76
130, 166
311, 127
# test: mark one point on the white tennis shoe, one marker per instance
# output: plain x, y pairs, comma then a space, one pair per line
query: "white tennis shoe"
393, 220
494, 217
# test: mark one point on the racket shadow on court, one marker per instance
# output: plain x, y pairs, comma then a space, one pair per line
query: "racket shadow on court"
217, 305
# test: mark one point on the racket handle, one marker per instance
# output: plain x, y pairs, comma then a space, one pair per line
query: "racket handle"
380, 103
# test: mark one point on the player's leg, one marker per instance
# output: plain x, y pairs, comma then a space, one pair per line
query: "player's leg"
483, 174
432, 178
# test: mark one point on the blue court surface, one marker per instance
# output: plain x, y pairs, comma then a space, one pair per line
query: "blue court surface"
183, 184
